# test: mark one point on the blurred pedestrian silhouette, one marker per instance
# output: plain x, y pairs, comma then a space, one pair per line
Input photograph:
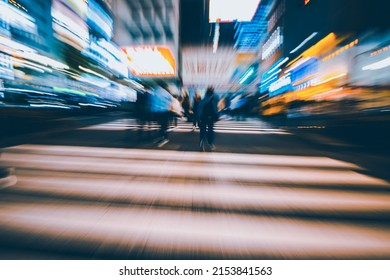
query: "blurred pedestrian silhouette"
207, 116
142, 114
160, 106
164, 107
186, 104
195, 106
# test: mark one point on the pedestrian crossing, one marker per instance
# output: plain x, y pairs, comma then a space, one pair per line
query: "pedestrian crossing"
128, 203
252, 126
122, 124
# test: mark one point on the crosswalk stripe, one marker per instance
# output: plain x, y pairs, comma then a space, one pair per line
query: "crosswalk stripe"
231, 127
144, 200
125, 229
167, 155
194, 194
277, 174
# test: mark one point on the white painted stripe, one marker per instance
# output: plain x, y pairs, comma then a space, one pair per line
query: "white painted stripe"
119, 127
218, 195
166, 155
98, 127
160, 230
235, 128
182, 129
178, 169
229, 131
190, 125
220, 127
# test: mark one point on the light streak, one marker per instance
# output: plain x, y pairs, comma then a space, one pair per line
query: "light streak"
304, 42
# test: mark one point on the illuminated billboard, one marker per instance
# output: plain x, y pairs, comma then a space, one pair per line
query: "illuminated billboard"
17, 18
272, 44
78, 6
232, 10
69, 28
150, 61
99, 20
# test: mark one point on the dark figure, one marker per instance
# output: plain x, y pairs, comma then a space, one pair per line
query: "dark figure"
186, 104
161, 106
195, 106
141, 111
207, 116
163, 119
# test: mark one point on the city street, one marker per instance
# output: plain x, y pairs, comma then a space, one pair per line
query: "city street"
104, 190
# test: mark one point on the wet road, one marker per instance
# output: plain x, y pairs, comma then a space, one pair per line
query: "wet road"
106, 191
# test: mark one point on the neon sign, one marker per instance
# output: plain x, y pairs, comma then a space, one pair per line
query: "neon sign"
150, 61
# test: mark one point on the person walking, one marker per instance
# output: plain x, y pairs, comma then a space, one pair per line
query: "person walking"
141, 111
186, 104
195, 106
160, 106
207, 116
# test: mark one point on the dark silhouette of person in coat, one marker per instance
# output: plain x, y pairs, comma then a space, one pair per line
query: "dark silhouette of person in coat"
207, 116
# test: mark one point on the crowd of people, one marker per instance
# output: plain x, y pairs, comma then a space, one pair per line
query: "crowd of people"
157, 104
